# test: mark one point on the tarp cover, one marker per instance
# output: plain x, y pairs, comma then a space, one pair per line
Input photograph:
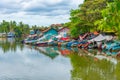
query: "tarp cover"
100, 37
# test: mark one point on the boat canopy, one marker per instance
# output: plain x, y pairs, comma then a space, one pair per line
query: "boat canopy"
100, 37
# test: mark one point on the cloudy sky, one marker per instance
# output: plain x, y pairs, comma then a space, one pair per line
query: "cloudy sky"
37, 12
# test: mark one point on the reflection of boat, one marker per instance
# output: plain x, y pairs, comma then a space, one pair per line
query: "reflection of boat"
98, 55
111, 53
109, 58
48, 51
53, 43
64, 51
11, 40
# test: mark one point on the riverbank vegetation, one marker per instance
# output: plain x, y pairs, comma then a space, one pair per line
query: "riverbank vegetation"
95, 15
20, 29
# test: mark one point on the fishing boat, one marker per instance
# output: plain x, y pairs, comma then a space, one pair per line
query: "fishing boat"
111, 46
71, 43
41, 43
53, 43
11, 35
30, 40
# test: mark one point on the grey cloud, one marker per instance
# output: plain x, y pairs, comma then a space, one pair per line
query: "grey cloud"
41, 11
7, 8
50, 13
43, 8
48, 8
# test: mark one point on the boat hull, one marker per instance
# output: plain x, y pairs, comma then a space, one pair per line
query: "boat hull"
41, 44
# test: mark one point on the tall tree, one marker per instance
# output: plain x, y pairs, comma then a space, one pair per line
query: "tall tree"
83, 18
111, 18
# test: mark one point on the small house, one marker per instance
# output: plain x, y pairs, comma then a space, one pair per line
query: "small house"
49, 33
64, 32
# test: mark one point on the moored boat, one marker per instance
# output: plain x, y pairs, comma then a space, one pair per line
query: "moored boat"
41, 44
111, 46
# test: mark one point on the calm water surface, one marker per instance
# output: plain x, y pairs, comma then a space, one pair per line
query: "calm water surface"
24, 62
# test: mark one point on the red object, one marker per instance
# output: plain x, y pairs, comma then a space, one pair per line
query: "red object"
65, 38
65, 52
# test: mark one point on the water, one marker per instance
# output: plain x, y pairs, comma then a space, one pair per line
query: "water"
24, 62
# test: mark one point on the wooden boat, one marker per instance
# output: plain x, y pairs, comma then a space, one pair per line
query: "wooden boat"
30, 41
41, 44
72, 43
111, 46
53, 43
82, 43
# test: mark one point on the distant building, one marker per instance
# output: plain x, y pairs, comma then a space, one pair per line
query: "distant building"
2, 34
32, 32
57, 26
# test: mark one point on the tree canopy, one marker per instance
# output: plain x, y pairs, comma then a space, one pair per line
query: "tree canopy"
95, 15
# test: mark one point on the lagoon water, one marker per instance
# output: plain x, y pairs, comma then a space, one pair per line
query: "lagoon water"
25, 62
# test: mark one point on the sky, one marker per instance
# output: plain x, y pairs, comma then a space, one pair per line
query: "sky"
37, 12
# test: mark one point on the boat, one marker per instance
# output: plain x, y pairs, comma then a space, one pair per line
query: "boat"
53, 43
41, 44
72, 43
111, 46
82, 43
10, 35
30, 40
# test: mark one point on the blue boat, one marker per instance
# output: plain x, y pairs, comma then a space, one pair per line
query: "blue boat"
11, 35
111, 46
72, 43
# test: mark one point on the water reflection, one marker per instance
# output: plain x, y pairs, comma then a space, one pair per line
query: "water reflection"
25, 62
97, 66
9, 44
31, 64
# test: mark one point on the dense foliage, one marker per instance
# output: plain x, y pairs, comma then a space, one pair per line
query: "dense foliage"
95, 15
19, 29
111, 18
